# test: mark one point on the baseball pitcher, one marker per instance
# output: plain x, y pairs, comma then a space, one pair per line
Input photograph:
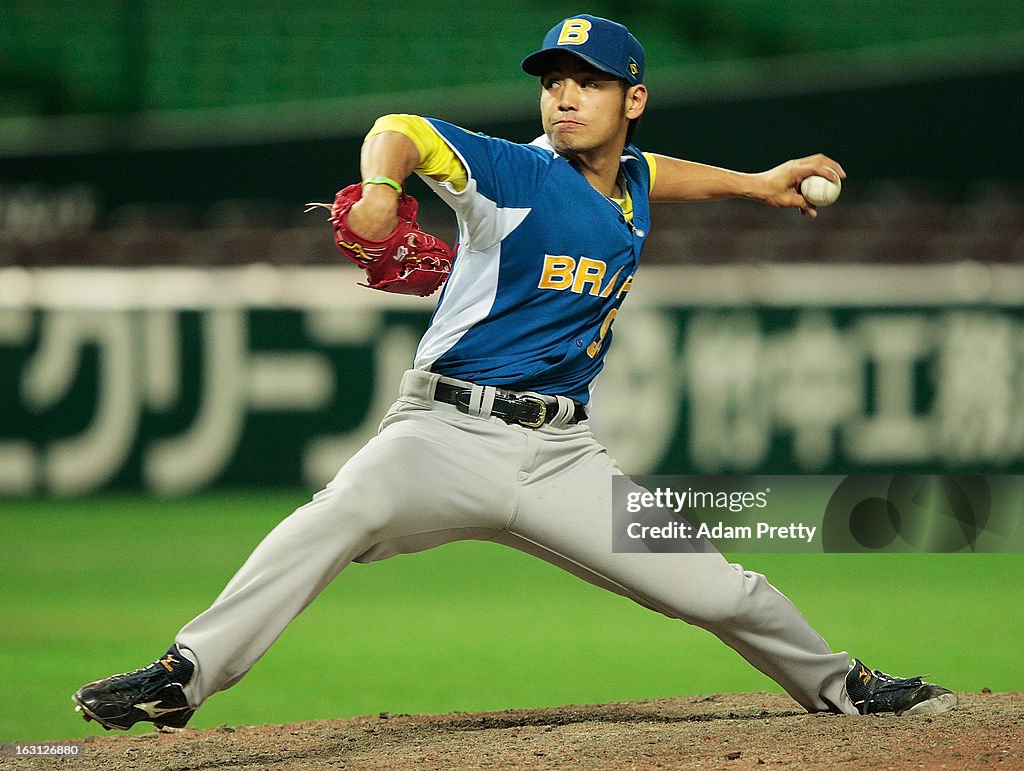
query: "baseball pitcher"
490, 426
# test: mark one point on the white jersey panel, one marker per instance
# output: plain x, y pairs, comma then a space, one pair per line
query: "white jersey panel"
470, 290
481, 223
468, 298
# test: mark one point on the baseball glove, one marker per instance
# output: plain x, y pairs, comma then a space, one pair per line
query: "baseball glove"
408, 261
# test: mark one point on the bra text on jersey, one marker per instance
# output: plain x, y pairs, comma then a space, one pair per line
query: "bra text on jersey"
583, 275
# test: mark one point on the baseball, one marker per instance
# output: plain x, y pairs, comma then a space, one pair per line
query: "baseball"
820, 191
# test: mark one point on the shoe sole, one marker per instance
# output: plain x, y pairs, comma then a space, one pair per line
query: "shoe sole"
940, 705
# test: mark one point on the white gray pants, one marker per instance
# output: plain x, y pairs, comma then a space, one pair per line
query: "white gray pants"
546, 492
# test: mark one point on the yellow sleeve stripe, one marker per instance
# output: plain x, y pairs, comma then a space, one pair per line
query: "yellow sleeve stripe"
437, 159
653, 164
626, 204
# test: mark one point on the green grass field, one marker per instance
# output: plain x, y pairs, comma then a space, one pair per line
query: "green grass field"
99, 586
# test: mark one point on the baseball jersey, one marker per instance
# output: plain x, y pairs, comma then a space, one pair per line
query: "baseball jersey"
544, 260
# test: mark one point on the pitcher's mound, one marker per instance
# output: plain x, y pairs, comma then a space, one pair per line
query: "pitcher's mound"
729, 731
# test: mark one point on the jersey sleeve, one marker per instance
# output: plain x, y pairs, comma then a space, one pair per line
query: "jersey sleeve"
460, 164
652, 164
437, 159
505, 173
489, 183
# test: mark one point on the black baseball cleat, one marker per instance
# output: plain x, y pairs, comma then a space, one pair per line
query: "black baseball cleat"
153, 693
873, 691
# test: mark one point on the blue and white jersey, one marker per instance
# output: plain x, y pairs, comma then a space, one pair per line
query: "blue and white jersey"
544, 262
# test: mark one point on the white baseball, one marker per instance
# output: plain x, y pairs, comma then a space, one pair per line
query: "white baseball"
820, 191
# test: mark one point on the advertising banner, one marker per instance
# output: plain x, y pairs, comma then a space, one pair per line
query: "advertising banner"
177, 381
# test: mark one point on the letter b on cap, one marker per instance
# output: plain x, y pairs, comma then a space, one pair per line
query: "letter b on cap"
574, 32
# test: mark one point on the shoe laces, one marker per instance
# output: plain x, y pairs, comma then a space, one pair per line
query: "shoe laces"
891, 683
144, 676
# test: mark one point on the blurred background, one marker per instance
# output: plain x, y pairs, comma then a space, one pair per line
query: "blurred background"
177, 337
170, 150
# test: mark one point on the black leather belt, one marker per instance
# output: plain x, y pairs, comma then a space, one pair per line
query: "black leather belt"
519, 409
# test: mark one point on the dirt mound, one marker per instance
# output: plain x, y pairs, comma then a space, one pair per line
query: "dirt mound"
728, 731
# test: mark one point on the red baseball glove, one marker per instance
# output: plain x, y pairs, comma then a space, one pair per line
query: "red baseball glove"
408, 261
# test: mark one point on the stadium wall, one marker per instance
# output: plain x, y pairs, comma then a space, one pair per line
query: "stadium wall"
175, 381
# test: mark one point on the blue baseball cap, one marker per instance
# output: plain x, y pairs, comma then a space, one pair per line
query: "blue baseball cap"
602, 43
